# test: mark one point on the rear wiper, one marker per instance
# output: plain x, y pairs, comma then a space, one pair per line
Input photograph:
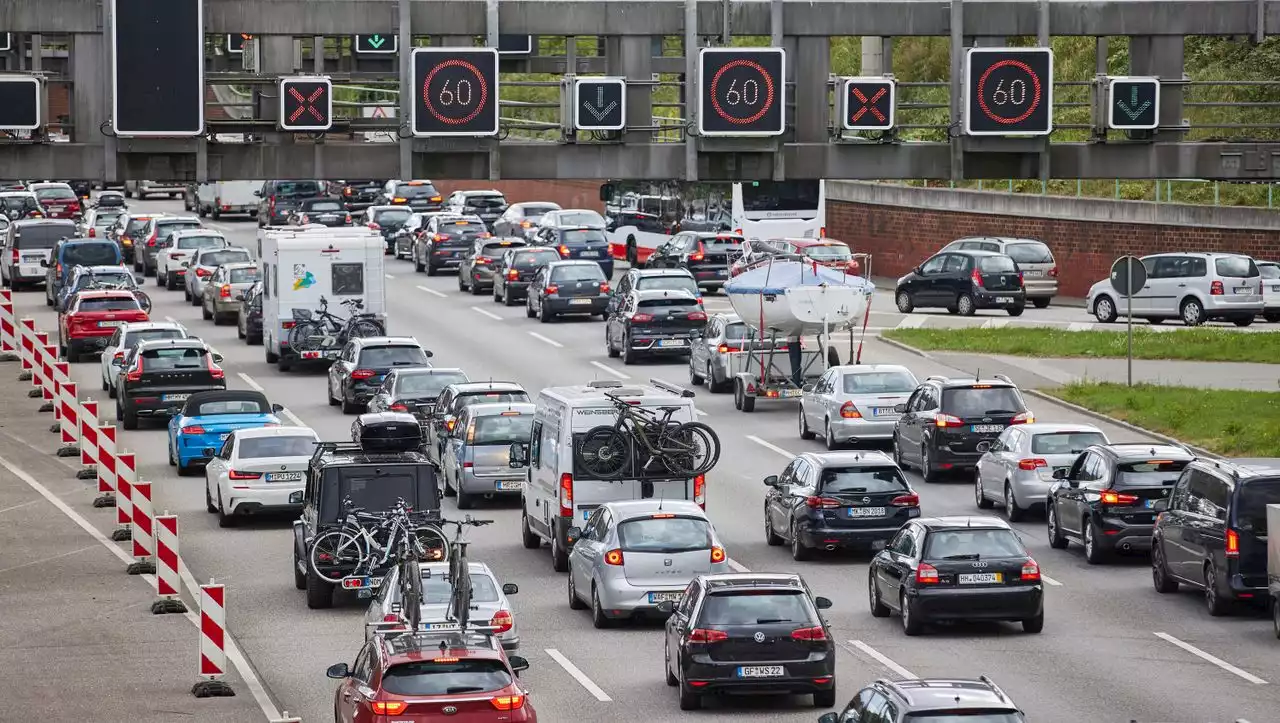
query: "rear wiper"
766, 621
1001, 411
966, 556
456, 689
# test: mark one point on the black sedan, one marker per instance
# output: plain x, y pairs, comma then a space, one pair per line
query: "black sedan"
478, 268
249, 322
444, 242
324, 211
515, 271
567, 287
158, 377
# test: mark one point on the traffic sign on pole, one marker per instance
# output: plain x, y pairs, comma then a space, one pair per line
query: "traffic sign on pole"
1133, 103
742, 91
6, 42
377, 44
157, 68
19, 103
515, 44
235, 42
600, 104
1008, 92
455, 92
867, 104
306, 103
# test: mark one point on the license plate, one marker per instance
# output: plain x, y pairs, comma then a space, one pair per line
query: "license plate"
1275, 288
579, 302
109, 324
175, 397
882, 411
509, 484
866, 512
987, 428
981, 578
295, 497
440, 626
761, 671
722, 272
1242, 290
223, 437
1004, 299
658, 597
1033, 273
284, 476
671, 342
360, 583
1148, 503
792, 393
590, 254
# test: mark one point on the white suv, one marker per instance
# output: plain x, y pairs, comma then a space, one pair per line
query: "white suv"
179, 250
1191, 286
1270, 290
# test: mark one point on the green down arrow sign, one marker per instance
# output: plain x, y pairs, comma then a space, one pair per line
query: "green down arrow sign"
1132, 109
377, 41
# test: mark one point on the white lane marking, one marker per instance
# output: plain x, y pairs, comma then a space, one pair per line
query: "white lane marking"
1049, 581
1207, 657
171, 320
389, 276
234, 654
578, 675
701, 413
486, 312
771, 446
883, 659
1079, 326
431, 291
294, 418
17, 507
737, 566
995, 323
545, 340
912, 322
252, 384
46, 559
610, 370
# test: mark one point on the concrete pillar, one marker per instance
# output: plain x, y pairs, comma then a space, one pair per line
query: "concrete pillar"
813, 113
90, 85
631, 57
1161, 56
872, 55
277, 58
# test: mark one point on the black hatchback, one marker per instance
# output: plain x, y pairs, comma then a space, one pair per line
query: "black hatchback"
749, 633
963, 282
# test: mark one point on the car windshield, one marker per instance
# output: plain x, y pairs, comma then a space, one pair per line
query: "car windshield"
665, 533
244, 276
973, 544
879, 383
91, 254
230, 406
580, 218
1235, 267
259, 447
391, 218
226, 256
828, 252
422, 386
535, 259
980, 401
486, 203
201, 242
583, 236
1065, 442
862, 480
390, 356
668, 282
1149, 473
754, 607
967, 716
578, 272
168, 358
437, 590
446, 676
996, 265
1251, 506
110, 303
496, 249
134, 338
501, 430
56, 194
533, 213
42, 235
1269, 271
136, 225
1029, 252
407, 191
297, 188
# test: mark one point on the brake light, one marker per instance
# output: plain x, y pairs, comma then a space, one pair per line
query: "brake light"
642, 317
118, 356
236, 474
717, 555
807, 634
701, 635
389, 618
388, 707
1233, 543
566, 495
564, 251
1032, 464
374, 225
59, 269
508, 702
1021, 282
1053, 272
821, 503
288, 324
151, 241
700, 490
451, 424
613, 557
399, 408
471, 432
362, 374
1030, 571
193, 429
926, 574
526, 224
502, 621
552, 289
604, 288
15, 255
437, 199
848, 411
1111, 497
700, 254
348, 218
135, 374
1024, 418
1216, 289
203, 272
93, 232
346, 191
397, 200
725, 348
214, 371
946, 420
225, 291
697, 316
977, 278
911, 500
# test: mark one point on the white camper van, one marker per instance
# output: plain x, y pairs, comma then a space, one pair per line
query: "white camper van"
302, 266
220, 198
558, 494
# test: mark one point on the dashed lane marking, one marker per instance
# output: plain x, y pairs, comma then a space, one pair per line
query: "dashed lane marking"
431, 291
737, 566
770, 446
389, 276
609, 370
578, 675
17, 507
254, 385
486, 312
882, 659
1049, 581
1211, 659
995, 323
545, 340
912, 322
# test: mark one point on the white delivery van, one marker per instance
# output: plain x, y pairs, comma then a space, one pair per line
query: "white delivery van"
225, 197
558, 494
303, 266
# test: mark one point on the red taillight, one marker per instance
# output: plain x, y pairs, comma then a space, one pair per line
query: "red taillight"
700, 254
194, 429
1024, 418
1233, 543
236, 474
1111, 497
59, 269
15, 255
389, 618
399, 408
1216, 289
513, 275
93, 232
225, 291
552, 289
362, 373
717, 555
374, 225
214, 370
725, 348
700, 491
926, 574
1021, 281
566, 495
613, 557
821, 503
702, 635
118, 356
388, 707
502, 621
808, 634
288, 324
508, 702
946, 420
348, 218
483, 260
697, 316
911, 500
1053, 272
346, 191
135, 374
439, 237
1032, 464
203, 273
564, 251
642, 317
977, 278
1030, 571
848, 411
526, 224
151, 241
604, 288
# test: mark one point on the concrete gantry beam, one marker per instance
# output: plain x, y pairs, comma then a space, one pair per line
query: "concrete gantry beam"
666, 17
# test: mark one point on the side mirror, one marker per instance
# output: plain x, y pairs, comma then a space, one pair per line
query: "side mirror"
829, 718
573, 535
807, 388
822, 603
259, 195
666, 607
186, 264
208, 451
510, 588
277, 407
518, 664
338, 670
1060, 473
771, 480
429, 353
217, 358
240, 296
1160, 505
900, 408
519, 455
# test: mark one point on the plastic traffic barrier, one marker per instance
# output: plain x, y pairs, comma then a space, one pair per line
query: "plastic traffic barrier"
88, 435
126, 476
168, 581
213, 652
68, 414
8, 328
106, 465
142, 531
27, 343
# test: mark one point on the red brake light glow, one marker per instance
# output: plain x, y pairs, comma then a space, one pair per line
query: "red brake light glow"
809, 634
700, 254
1032, 464
1030, 571
362, 374
1024, 418
194, 429
389, 707
1233, 543
1111, 497
725, 348
613, 557
702, 635
926, 574
642, 317
946, 420
849, 411
566, 495
502, 621
1215, 289
604, 288
717, 554
236, 474
399, 408
564, 251
911, 500
508, 702
513, 275
700, 491
977, 278
225, 291
552, 289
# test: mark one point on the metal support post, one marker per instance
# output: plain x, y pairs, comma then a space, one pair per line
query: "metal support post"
1042, 36
492, 41
405, 40
776, 40
691, 89
957, 80
37, 68
1162, 57
813, 105
90, 86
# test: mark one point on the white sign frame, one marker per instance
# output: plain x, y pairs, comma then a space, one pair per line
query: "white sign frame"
844, 104
395, 44
283, 121
1111, 101
782, 94
6, 44
968, 82
115, 101
413, 82
595, 80
39, 100
235, 51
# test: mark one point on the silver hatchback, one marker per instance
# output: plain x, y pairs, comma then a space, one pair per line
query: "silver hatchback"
1017, 470
855, 403
476, 461
489, 604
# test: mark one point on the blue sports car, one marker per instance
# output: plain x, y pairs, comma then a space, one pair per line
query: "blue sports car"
200, 430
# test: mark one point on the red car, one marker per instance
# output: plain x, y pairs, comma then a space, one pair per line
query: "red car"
58, 200
407, 678
87, 325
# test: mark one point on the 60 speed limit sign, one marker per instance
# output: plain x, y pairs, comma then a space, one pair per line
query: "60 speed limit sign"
1008, 92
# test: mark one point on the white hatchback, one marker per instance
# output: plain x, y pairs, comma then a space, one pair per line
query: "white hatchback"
258, 470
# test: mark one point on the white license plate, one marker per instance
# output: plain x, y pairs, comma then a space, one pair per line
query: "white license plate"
441, 626
1033, 274
792, 392
590, 254
761, 671
658, 597
109, 324
284, 476
579, 302
1242, 290
1004, 299
882, 411
175, 397
223, 437
509, 484
671, 342
866, 512
722, 272
987, 428
981, 578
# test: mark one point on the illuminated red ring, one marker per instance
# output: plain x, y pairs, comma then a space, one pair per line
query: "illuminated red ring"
426, 95
768, 85
1035, 99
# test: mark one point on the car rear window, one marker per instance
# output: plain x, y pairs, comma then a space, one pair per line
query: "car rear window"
91, 254
1236, 267
737, 331
292, 446
879, 383
1149, 472
122, 279
230, 406
967, 716
536, 212
498, 429
858, 480
137, 337
377, 489
405, 190
668, 282
390, 218
437, 590
467, 400
486, 202
1029, 252
451, 676
580, 218
136, 225
1065, 442
496, 249
578, 272
113, 303
297, 188
201, 242
722, 244
164, 228
244, 276
664, 303
753, 607
390, 356
827, 253
996, 265
967, 543
419, 386
462, 228
1251, 504
174, 358
227, 256
325, 205
1269, 271
535, 259
665, 533
105, 220
42, 236
978, 401
55, 194
583, 236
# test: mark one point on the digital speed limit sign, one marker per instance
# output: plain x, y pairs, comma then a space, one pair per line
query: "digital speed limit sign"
455, 92
1008, 92
741, 91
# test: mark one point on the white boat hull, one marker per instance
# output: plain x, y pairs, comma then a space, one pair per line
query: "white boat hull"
795, 299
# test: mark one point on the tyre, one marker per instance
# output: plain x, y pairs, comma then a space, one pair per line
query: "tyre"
695, 379
1095, 552
799, 552
897, 453
926, 465
1192, 312
431, 270
528, 307
129, 419
338, 548
979, 498
205, 313
805, 432
213, 509
575, 602
1057, 540
417, 264
771, 537
1016, 310
599, 620
170, 283
672, 680
559, 556
1104, 310
462, 286
1160, 578
829, 437
1242, 321
905, 303
225, 519
319, 593
527, 537
361, 328
1213, 600
1272, 317
717, 387
965, 305
1041, 302
161, 281
878, 608
911, 625
1011, 508
306, 336
1033, 625
604, 452
544, 315
350, 407
690, 699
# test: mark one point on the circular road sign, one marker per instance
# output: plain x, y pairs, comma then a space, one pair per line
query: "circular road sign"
1125, 270
455, 92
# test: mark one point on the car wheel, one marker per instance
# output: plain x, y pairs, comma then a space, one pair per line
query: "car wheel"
805, 432
206, 314
431, 270
105, 387
299, 578
319, 592
1011, 508
328, 390
1192, 312
1242, 321
349, 407
926, 465
897, 452
714, 386
129, 419
696, 379
829, 437
878, 608
799, 552
1057, 540
690, 698
629, 355
598, 619
208, 500
544, 315
672, 680
225, 519
1093, 551
905, 303
910, 624
1213, 600
1033, 625
979, 498
1160, 578
530, 540
1272, 317
771, 537
173, 461
528, 307
1041, 302
559, 556
575, 602
965, 305
1016, 310
1104, 310
465, 501
462, 286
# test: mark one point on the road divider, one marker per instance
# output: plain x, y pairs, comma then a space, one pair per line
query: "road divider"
8, 328
168, 581
213, 652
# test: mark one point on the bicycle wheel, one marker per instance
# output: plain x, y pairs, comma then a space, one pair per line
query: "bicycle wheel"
604, 452
336, 548
692, 449
306, 336
460, 578
433, 544
361, 328
411, 590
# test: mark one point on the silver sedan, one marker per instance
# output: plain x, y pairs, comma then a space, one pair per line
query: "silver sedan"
489, 603
855, 403
1017, 470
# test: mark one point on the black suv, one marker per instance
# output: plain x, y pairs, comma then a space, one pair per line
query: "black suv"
963, 282
356, 195
445, 240
1106, 501
928, 699
749, 633
341, 472
956, 568
705, 254
1213, 534
159, 375
515, 271
278, 199
948, 423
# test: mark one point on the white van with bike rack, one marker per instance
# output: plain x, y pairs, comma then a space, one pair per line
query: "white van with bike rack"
304, 268
558, 493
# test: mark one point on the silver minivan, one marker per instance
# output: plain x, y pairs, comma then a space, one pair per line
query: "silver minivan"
1191, 286
477, 453
1034, 258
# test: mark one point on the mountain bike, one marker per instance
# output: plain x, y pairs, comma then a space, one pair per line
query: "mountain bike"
684, 449
357, 548
460, 571
323, 330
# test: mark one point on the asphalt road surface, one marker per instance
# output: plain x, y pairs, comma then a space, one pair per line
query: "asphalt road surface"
1112, 649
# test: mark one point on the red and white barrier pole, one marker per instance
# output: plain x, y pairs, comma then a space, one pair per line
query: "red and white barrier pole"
8, 330
142, 531
88, 417
41, 371
69, 420
213, 636
168, 583
106, 466
126, 476
27, 344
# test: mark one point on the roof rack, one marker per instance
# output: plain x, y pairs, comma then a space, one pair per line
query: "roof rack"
1002, 377
891, 685
672, 388
605, 384
994, 688
936, 377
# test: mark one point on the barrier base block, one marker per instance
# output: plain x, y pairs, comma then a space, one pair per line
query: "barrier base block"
34, 393
168, 606
69, 450
212, 689
121, 534
107, 500
8, 356
24, 376
88, 473
55, 427
46, 407
141, 567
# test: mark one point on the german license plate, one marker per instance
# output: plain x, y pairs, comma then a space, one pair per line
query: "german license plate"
1004, 299
1148, 503
1242, 290
987, 428
1275, 288
981, 578
360, 582
175, 397
659, 597
109, 324
223, 437
1033, 274
761, 671
284, 476
590, 254
881, 411
866, 512
579, 302
722, 272
509, 484
440, 626
671, 342
295, 498
792, 392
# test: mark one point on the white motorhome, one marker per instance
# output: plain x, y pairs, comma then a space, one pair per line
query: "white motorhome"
303, 265
226, 197
558, 494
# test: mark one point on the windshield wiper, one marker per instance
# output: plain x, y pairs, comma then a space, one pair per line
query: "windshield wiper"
766, 621
456, 689
965, 556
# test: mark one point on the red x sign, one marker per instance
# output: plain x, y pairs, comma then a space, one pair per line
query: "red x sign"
306, 104
868, 103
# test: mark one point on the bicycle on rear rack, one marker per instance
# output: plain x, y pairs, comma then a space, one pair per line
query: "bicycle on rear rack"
460, 571
322, 330
683, 449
